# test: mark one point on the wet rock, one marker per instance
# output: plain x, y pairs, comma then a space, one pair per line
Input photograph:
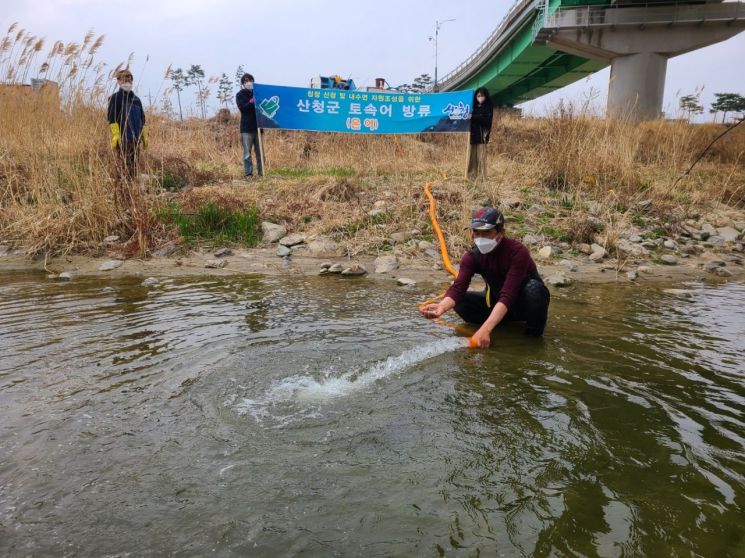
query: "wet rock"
670, 244
548, 251
336, 268
713, 265
598, 253
110, 265
292, 240
559, 280
111, 239
425, 245
729, 234
669, 259
215, 264
722, 272
405, 282
632, 275
222, 253
108, 290
326, 265
283, 251
323, 246
272, 232
150, 282
386, 264
679, 292
52, 276
65, 276
166, 250
354, 270
574, 268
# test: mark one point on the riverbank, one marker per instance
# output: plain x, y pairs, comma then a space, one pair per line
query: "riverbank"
560, 270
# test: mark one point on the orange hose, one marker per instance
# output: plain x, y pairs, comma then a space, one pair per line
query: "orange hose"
438, 231
445, 262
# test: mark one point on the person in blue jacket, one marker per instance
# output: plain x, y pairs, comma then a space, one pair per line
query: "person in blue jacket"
127, 125
249, 126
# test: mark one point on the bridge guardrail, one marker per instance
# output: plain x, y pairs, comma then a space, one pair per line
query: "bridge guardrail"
517, 7
647, 13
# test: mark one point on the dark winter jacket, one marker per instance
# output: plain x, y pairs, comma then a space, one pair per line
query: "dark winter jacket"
504, 270
481, 119
245, 101
126, 110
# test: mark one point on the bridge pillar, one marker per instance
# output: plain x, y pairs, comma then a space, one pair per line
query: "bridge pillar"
637, 42
637, 86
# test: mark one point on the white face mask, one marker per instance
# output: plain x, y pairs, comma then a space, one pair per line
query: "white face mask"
485, 245
126, 87
249, 86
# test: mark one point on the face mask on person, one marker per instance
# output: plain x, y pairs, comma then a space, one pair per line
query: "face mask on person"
126, 87
249, 86
485, 245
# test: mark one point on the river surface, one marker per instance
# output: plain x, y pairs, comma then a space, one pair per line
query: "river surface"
281, 416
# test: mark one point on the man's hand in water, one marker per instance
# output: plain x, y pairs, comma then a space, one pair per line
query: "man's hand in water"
483, 338
431, 311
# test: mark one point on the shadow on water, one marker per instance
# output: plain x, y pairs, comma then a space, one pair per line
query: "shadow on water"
270, 416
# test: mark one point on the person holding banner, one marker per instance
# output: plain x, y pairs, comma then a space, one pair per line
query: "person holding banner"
249, 126
481, 121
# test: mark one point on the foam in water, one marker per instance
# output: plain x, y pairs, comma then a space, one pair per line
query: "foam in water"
308, 391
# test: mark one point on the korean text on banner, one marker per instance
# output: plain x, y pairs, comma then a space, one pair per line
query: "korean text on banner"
361, 112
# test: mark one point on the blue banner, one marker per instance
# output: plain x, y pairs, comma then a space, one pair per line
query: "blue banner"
361, 112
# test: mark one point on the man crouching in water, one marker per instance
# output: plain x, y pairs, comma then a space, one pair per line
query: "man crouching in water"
514, 289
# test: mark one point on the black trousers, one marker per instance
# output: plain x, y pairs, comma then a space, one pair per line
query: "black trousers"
531, 307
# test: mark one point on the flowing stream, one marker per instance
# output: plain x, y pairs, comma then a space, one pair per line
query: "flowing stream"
281, 416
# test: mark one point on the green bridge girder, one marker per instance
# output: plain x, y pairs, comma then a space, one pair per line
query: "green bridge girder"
522, 69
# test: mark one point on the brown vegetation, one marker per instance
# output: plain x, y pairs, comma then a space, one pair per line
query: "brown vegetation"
579, 173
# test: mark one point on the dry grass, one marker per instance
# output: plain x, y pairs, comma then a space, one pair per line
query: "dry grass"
557, 176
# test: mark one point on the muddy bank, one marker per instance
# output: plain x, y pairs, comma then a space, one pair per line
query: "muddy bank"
425, 269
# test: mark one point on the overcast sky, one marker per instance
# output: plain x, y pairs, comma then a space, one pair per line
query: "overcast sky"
286, 42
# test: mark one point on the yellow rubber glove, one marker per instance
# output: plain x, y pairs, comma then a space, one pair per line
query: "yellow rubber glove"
116, 135
144, 139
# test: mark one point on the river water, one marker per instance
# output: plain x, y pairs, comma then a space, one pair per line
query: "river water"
280, 416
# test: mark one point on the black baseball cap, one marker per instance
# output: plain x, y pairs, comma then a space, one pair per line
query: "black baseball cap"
487, 218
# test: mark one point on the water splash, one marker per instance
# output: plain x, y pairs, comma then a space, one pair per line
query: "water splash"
301, 395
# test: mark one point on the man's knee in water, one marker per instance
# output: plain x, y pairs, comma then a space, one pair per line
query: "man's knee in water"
534, 299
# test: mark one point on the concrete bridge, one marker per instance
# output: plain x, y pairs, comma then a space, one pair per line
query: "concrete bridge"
543, 45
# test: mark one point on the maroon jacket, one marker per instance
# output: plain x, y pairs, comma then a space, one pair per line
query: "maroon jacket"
504, 269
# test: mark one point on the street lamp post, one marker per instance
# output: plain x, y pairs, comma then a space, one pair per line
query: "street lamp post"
438, 24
